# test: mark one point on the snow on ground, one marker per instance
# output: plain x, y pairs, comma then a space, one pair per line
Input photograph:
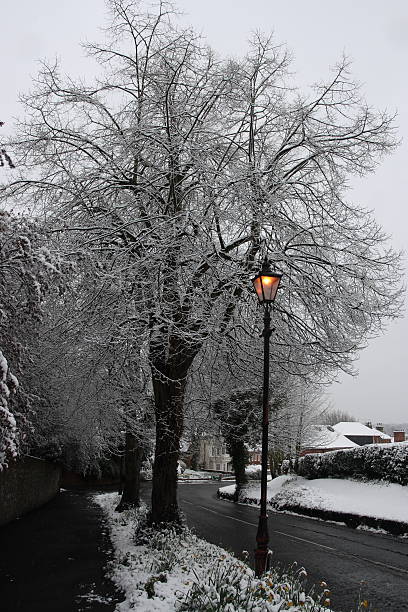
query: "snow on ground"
253, 467
376, 499
133, 564
169, 571
194, 475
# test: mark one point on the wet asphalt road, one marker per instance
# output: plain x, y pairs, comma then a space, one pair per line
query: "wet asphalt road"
52, 559
340, 556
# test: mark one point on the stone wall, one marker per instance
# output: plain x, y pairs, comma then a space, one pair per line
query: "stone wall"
27, 484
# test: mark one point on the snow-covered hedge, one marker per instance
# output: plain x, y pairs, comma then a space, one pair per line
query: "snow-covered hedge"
373, 461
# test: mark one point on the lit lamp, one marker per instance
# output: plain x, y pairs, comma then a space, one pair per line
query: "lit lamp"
266, 284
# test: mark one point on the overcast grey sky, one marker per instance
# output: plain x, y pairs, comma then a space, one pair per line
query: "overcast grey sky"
371, 32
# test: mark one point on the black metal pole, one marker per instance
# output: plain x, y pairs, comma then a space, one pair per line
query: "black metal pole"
262, 536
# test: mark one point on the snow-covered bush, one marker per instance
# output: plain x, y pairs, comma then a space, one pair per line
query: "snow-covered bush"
253, 472
230, 586
374, 461
8, 426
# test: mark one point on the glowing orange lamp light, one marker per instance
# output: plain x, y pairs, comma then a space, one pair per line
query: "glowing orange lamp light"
266, 284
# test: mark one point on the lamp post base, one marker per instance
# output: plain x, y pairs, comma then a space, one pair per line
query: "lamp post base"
261, 552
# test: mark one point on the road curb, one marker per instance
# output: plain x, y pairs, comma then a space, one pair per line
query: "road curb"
397, 528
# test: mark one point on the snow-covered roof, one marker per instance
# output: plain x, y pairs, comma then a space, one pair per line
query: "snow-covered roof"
321, 436
353, 428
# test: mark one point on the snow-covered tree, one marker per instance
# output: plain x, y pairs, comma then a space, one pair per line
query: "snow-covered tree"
5, 159
334, 416
297, 406
238, 416
89, 370
26, 270
188, 168
8, 425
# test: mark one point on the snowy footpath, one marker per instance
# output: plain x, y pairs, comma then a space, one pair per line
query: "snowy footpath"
370, 504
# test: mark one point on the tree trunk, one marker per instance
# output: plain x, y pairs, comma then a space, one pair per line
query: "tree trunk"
239, 457
298, 446
121, 475
194, 459
195, 451
275, 462
169, 404
133, 464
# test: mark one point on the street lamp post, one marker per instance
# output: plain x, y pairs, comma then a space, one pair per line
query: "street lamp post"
266, 284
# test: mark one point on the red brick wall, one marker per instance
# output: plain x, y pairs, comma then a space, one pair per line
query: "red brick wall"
314, 451
379, 440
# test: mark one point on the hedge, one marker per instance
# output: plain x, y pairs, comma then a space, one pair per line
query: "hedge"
374, 462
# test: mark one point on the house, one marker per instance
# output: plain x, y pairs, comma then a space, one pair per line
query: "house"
324, 438
254, 456
361, 434
213, 454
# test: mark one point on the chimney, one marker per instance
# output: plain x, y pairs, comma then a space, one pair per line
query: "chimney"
380, 427
399, 436
369, 424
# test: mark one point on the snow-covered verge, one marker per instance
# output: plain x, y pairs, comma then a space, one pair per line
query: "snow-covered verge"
169, 570
380, 500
